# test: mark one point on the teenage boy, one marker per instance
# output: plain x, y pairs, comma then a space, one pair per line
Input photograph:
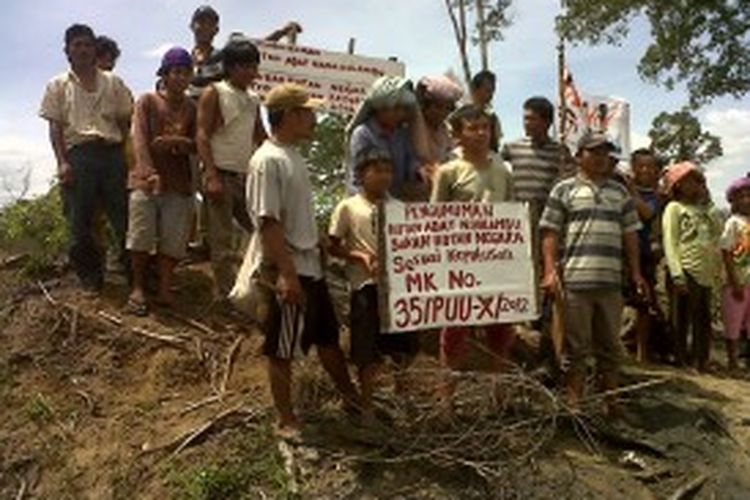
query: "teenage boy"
107, 53
229, 129
160, 200
88, 111
482, 87
588, 221
294, 307
476, 176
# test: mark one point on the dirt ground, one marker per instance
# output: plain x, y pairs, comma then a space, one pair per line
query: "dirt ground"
98, 404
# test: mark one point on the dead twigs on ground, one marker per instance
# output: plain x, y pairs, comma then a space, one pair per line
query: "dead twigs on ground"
690, 488
229, 361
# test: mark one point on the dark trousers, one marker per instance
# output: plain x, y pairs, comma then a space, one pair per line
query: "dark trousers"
99, 180
691, 316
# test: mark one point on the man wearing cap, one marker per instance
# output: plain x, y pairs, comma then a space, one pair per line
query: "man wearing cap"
160, 200
294, 307
229, 129
88, 111
208, 65
592, 219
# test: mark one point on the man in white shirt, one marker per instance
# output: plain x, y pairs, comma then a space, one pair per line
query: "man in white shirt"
295, 311
89, 111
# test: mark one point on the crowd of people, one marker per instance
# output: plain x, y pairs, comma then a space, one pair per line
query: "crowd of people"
602, 232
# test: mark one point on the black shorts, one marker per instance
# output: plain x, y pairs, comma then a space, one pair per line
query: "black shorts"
291, 330
368, 345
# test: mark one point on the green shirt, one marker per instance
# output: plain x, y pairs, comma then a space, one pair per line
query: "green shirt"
461, 180
691, 242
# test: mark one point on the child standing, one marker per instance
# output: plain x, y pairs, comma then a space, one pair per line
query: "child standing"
160, 201
691, 233
353, 237
588, 221
643, 188
476, 176
735, 249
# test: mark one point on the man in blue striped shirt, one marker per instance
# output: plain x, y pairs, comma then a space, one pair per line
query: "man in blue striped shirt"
592, 219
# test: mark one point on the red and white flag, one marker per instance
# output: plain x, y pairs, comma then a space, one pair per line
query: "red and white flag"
585, 112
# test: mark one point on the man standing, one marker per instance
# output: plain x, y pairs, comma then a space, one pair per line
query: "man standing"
229, 129
537, 159
88, 111
294, 307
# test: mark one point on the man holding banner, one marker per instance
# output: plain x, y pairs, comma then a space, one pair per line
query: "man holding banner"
477, 176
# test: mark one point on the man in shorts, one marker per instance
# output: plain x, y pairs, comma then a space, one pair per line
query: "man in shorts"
294, 307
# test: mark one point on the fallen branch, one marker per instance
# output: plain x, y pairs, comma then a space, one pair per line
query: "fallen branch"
689, 489
73, 323
47, 294
191, 322
200, 404
169, 339
198, 432
87, 399
228, 364
13, 260
22, 490
626, 389
110, 317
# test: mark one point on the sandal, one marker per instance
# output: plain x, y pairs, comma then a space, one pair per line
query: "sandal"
137, 308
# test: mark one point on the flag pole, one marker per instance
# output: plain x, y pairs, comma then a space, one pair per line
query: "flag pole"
561, 78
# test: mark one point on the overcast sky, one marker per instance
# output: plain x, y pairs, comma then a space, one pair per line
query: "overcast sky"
416, 31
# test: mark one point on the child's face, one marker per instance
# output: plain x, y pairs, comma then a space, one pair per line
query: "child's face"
646, 171
475, 135
484, 93
392, 117
741, 201
177, 79
597, 162
692, 187
377, 178
204, 30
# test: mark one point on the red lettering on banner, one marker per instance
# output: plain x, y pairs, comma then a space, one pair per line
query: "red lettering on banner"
462, 279
421, 282
418, 311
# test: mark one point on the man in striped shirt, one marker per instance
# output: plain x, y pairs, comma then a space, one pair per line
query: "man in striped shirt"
592, 219
538, 161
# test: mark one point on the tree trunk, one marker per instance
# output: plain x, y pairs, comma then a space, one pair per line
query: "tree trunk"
459, 31
482, 36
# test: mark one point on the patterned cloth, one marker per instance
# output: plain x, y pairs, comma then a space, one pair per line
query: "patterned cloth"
736, 239
591, 220
691, 235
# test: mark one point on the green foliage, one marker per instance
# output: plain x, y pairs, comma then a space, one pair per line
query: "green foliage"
35, 227
326, 156
38, 410
678, 136
704, 43
252, 463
